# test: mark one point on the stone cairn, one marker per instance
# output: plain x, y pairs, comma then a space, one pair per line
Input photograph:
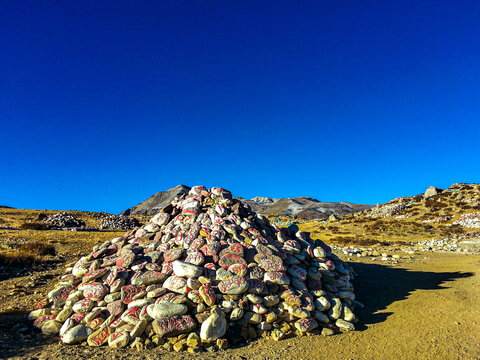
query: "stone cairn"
118, 222
205, 271
63, 220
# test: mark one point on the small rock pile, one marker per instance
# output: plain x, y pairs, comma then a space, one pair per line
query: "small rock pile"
63, 220
206, 271
119, 222
387, 210
469, 220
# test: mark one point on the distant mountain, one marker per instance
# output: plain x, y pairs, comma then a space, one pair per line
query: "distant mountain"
303, 207
300, 207
157, 201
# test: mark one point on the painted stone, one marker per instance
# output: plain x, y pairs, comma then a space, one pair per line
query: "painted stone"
126, 258
276, 277
172, 254
83, 306
155, 267
95, 274
60, 295
132, 315
256, 272
99, 337
208, 294
95, 323
167, 268
269, 265
197, 244
173, 326
230, 259
176, 284
233, 286
95, 291
172, 298
119, 339
195, 258
38, 323
194, 295
238, 269
42, 304
149, 278
132, 292
292, 246
306, 324
234, 249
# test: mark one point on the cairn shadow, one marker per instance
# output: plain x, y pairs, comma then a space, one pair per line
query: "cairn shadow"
377, 286
11, 271
17, 335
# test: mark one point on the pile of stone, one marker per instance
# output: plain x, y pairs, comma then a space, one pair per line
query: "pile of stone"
387, 210
205, 272
469, 220
63, 220
119, 222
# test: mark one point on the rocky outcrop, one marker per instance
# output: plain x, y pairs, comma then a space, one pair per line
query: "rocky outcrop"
156, 202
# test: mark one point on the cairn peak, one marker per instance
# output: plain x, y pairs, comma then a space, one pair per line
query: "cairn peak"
206, 265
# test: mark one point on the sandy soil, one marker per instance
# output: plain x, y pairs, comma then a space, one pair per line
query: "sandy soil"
423, 308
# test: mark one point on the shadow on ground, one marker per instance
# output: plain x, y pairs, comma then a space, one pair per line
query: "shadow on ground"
10, 272
378, 286
17, 336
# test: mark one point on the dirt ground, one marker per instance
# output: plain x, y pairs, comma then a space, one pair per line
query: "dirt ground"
421, 308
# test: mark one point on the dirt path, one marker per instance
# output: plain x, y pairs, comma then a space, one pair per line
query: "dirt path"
425, 308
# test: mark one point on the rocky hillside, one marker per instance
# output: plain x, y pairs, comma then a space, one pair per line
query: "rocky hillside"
438, 217
301, 207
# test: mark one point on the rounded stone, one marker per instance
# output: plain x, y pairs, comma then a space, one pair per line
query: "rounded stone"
76, 334
176, 284
95, 291
234, 285
51, 327
184, 269
162, 310
214, 327
119, 339
344, 325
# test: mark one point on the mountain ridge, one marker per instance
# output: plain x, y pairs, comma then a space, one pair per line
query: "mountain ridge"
302, 207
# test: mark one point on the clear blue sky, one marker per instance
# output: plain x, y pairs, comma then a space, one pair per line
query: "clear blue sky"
103, 103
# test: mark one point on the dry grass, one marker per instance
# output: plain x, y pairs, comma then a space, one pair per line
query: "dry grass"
27, 254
